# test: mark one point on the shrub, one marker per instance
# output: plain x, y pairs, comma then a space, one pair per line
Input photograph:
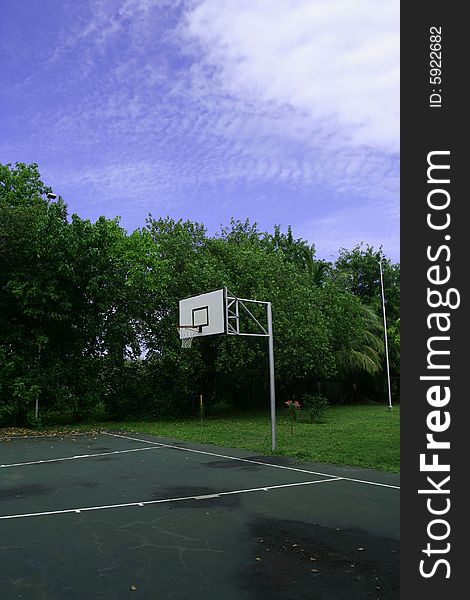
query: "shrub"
314, 406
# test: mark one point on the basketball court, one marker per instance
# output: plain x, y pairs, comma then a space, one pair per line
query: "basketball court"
124, 515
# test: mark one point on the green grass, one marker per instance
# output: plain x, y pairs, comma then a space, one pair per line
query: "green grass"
364, 436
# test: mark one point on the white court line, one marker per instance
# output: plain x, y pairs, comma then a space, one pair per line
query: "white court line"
50, 460
166, 500
255, 462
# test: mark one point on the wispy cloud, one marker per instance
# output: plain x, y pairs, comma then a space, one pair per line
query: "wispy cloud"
286, 111
332, 61
374, 223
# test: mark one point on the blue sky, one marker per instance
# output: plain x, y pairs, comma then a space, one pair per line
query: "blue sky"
282, 111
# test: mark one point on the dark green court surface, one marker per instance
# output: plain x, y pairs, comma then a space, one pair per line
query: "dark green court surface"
132, 516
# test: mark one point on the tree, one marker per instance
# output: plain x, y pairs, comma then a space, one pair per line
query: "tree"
88, 312
63, 299
358, 271
31, 227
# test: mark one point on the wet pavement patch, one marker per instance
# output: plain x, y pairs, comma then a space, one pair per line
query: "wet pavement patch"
256, 464
25, 491
105, 458
233, 464
305, 561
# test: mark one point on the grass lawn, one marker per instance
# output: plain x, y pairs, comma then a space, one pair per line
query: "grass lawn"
363, 436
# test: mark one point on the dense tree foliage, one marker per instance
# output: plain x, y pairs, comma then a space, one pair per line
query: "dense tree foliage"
88, 313
358, 271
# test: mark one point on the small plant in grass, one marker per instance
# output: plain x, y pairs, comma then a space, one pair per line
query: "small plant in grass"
293, 408
315, 406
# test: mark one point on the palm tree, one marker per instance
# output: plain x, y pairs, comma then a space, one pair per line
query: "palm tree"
318, 270
365, 355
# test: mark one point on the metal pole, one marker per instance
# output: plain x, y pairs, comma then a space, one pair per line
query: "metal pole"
36, 402
271, 376
386, 337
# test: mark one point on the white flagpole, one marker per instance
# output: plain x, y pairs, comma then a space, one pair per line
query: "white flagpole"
386, 337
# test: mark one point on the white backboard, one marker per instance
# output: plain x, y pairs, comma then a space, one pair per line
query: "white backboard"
206, 311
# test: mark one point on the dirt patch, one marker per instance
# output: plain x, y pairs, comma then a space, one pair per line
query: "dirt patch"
8, 433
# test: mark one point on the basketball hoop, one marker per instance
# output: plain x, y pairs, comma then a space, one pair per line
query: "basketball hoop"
187, 334
218, 312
